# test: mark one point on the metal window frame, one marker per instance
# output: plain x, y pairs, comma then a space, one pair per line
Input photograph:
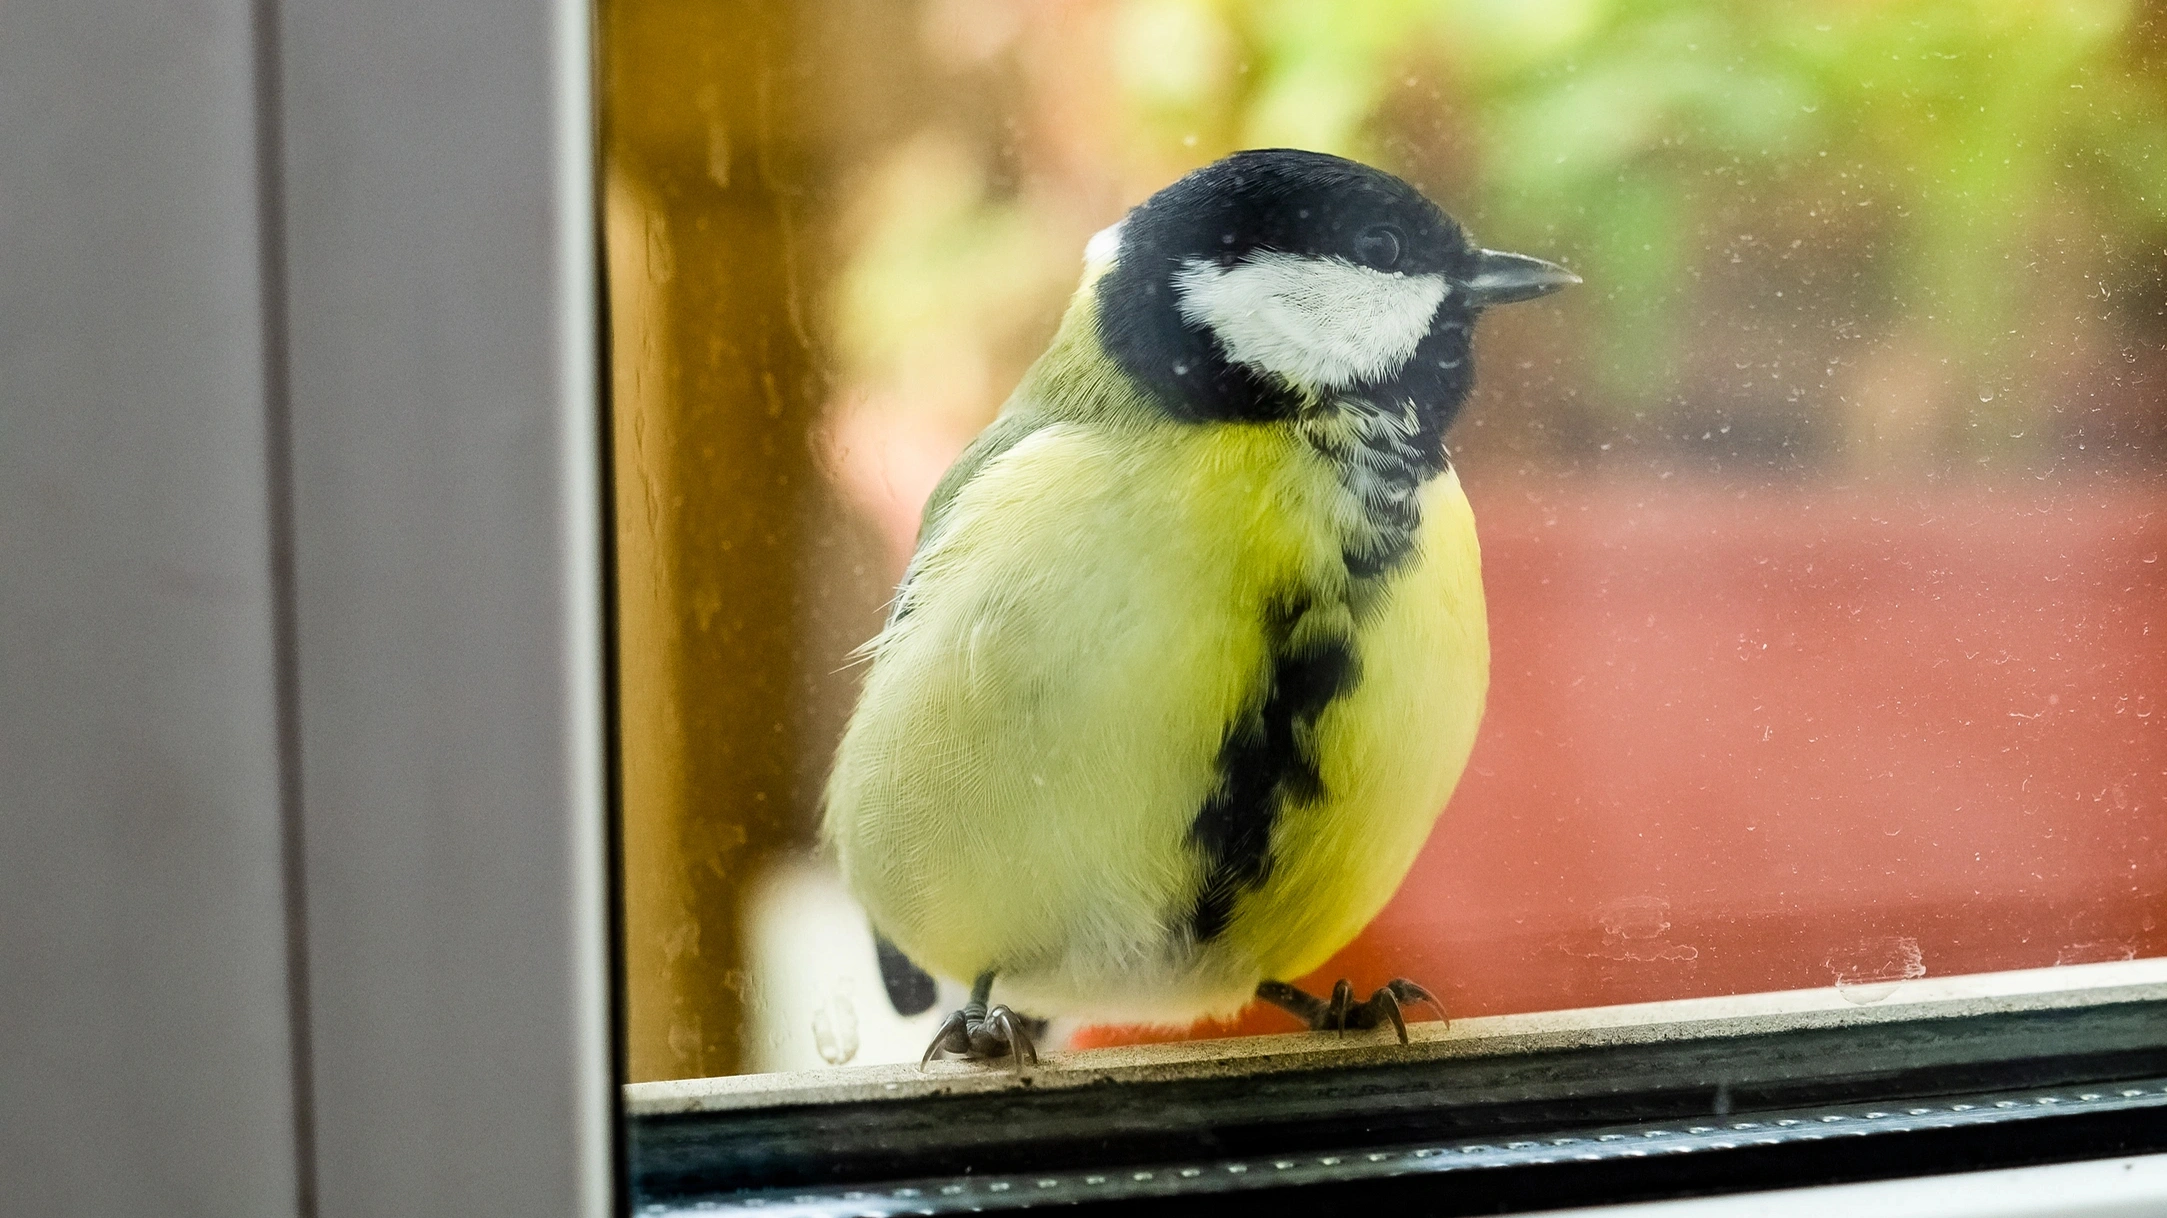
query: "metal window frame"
1695, 1098
304, 733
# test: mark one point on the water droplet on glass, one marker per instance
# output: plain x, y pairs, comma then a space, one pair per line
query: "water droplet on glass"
1865, 995
1872, 969
835, 1030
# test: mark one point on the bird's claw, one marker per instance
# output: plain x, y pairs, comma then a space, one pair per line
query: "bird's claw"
1341, 1012
954, 1036
996, 1034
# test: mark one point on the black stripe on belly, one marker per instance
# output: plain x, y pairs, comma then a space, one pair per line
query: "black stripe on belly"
1267, 761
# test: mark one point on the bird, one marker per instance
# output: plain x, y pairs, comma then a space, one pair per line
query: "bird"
1192, 648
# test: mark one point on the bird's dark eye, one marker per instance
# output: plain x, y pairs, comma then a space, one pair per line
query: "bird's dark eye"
1379, 246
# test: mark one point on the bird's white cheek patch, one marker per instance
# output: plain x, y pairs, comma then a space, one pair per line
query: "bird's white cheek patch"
1325, 323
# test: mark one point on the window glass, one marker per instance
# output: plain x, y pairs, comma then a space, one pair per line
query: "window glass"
1822, 527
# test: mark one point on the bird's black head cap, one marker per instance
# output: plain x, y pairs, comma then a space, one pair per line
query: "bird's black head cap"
1277, 200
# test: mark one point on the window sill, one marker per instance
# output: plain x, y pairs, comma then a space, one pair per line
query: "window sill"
1522, 1112
2041, 989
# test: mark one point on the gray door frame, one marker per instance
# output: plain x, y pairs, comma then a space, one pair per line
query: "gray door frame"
303, 845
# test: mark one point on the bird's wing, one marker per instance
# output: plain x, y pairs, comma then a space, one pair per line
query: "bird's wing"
1040, 724
1012, 428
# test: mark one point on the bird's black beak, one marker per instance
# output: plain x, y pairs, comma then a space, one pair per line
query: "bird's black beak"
1502, 278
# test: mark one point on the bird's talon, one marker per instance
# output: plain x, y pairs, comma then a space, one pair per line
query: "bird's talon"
953, 1037
1342, 1012
1010, 1027
1389, 1003
977, 1034
1407, 991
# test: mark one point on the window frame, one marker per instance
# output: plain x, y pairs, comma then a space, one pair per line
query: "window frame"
395, 886
305, 732
1692, 1098
438, 380
416, 969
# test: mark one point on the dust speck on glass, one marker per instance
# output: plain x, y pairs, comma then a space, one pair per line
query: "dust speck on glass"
1819, 526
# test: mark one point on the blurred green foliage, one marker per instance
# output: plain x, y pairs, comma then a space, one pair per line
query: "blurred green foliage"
1924, 218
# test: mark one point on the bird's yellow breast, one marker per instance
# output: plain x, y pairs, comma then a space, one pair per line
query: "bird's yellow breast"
1019, 787
1390, 750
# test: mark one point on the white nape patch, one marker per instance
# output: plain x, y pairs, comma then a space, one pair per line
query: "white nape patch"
1101, 250
1323, 323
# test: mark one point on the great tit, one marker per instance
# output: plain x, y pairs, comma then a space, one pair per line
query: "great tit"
1192, 648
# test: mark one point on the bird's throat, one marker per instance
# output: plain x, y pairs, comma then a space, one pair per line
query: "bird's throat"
1382, 456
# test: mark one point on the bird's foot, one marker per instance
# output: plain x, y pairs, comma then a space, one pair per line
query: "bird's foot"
1341, 1012
977, 1034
